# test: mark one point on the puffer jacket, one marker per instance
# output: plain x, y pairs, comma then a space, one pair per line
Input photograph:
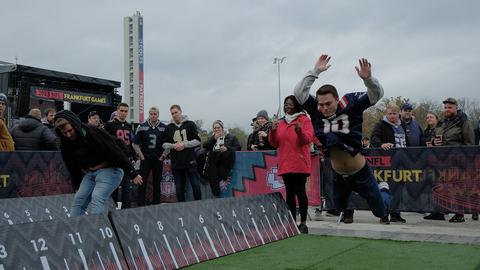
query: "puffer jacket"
457, 130
31, 135
293, 146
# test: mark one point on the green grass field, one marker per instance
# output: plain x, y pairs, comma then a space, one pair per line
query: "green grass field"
328, 252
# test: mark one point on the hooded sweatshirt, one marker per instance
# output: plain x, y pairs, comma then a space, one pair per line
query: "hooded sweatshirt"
30, 135
91, 147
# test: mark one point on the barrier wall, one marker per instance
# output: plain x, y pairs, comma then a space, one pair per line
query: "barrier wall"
166, 236
421, 179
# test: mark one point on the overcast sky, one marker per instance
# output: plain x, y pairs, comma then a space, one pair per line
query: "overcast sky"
215, 58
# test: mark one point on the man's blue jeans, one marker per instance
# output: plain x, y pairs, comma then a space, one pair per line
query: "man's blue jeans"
181, 176
363, 182
96, 188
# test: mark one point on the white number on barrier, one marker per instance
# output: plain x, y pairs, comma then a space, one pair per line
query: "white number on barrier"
263, 208
47, 211
27, 212
42, 245
136, 228
219, 216
106, 233
3, 252
181, 221
200, 218
6, 215
233, 213
249, 211
72, 237
160, 225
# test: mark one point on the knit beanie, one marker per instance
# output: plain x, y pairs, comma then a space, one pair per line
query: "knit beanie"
218, 122
263, 113
3, 98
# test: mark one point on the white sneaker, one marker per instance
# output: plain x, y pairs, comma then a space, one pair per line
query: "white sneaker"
383, 185
318, 215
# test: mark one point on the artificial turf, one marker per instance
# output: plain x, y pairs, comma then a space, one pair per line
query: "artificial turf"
330, 252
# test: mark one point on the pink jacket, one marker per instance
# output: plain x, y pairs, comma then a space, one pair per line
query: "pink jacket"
293, 147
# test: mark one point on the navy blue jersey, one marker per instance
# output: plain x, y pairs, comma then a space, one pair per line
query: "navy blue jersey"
343, 129
149, 138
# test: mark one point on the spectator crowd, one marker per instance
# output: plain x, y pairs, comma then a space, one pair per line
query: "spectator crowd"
104, 155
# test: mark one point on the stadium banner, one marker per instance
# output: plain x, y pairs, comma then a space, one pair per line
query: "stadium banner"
29, 174
87, 242
256, 173
445, 179
70, 96
33, 209
171, 236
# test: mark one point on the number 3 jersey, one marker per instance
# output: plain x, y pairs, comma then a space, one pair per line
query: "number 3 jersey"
149, 137
342, 130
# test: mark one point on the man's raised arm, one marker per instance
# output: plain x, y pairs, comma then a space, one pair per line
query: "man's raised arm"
302, 89
374, 89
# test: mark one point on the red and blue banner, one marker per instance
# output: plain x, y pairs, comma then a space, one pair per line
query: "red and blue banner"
256, 173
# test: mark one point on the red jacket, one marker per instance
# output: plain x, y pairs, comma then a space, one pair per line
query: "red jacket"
293, 147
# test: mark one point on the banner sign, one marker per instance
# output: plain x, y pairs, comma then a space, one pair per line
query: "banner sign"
70, 96
141, 90
425, 179
88, 242
33, 209
28, 174
256, 173
171, 236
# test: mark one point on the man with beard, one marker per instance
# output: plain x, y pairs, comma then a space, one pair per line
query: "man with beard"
454, 130
120, 128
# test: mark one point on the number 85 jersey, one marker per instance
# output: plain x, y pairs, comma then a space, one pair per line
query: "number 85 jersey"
343, 129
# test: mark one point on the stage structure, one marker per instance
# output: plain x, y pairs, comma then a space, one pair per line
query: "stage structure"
30, 87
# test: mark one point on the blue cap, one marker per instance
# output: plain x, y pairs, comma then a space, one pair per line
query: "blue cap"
406, 106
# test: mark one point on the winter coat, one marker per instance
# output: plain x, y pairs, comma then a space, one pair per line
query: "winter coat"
456, 131
293, 146
383, 133
428, 135
31, 135
6, 141
253, 138
218, 164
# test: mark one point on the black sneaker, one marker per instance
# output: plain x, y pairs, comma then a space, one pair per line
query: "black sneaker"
395, 217
475, 216
435, 216
303, 228
457, 218
333, 213
385, 220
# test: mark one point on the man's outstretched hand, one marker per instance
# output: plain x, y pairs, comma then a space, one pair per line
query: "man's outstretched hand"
365, 69
322, 63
